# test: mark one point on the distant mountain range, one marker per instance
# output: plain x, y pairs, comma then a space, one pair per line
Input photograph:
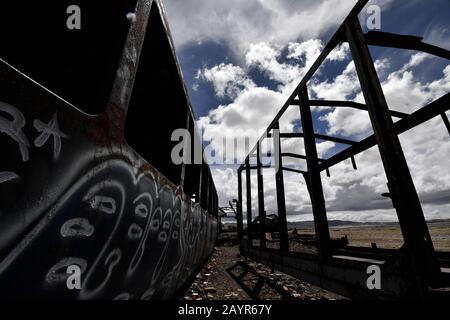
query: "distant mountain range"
341, 223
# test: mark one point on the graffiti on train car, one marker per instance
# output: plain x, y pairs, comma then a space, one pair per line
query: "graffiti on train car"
131, 235
76, 200
13, 128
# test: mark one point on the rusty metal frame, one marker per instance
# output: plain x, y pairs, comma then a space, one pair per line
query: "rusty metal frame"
413, 271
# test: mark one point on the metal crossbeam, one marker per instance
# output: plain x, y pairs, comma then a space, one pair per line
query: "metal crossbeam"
423, 115
392, 40
346, 104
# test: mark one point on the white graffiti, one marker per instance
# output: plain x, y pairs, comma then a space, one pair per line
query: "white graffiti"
78, 228
58, 273
14, 128
8, 176
123, 296
48, 130
135, 232
152, 241
103, 204
141, 209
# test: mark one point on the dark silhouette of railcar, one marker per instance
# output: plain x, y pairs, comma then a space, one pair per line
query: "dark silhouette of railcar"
86, 177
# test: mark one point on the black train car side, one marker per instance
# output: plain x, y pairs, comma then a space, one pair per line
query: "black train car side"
86, 177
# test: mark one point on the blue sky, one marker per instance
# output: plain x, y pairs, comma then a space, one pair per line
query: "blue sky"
241, 59
402, 17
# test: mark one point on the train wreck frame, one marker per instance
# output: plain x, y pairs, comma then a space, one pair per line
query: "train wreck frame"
416, 270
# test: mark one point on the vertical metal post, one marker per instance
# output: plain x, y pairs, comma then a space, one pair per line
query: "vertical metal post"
261, 207
279, 180
186, 154
315, 181
249, 202
446, 121
240, 227
401, 186
200, 186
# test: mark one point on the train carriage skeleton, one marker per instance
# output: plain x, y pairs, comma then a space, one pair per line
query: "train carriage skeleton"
417, 269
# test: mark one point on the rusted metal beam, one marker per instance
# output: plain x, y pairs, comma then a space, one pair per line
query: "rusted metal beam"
354, 163
186, 156
346, 104
287, 135
401, 186
317, 198
261, 207
422, 115
200, 186
446, 121
249, 203
317, 136
298, 156
281, 199
392, 40
293, 170
239, 217
256, 167
335, 139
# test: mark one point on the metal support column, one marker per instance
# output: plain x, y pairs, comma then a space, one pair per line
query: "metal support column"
279, 180
239, 217
446, 121
401, 186
207, 195
315, 182
261, 207
200, 186
249, 202
187, 153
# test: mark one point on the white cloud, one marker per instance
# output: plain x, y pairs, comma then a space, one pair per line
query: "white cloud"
240, 23
228, 80
342, 87
406, 94
255, 107
438, 35
252, 30
350, 195
265, 57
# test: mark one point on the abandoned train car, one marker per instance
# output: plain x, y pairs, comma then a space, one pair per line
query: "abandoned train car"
86, 177
417, 269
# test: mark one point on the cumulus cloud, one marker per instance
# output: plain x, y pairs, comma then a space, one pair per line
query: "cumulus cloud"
350, 195
227, 79
252, 30
252, 107
240, 23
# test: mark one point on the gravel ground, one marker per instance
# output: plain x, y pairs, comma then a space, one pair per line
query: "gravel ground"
228, 276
